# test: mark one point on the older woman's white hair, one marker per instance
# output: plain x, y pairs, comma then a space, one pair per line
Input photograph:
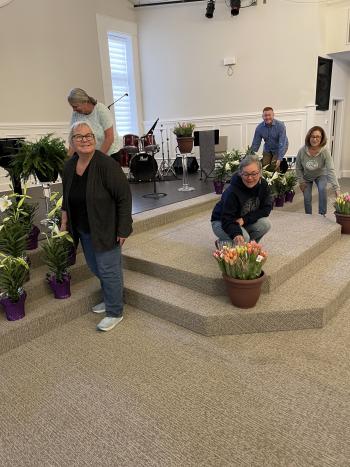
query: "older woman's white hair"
77, 125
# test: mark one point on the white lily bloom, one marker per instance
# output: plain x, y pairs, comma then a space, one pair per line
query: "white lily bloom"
227, 167
5, 203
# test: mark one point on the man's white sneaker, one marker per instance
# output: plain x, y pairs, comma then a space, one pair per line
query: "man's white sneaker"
108, 323
100, 308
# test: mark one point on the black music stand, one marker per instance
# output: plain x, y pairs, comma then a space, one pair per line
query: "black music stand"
155, 194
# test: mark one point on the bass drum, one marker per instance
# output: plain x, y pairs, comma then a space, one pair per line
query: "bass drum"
143, 167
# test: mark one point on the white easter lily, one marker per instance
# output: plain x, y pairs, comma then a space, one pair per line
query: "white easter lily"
5, 203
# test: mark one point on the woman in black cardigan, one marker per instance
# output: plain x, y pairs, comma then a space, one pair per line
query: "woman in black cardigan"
96, 210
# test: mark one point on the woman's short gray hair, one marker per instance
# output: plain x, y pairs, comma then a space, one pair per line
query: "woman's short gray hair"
79, 96
78, 125
250, 159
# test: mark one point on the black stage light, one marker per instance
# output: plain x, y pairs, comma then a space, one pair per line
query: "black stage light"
210, 9
235, 6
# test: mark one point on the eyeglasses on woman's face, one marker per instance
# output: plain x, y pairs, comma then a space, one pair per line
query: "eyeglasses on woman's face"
80, 138
316, 137
250, 174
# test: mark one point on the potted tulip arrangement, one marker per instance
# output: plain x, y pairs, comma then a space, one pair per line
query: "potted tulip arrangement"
184, 134
342, 212
291, 181
55, 250
13, 272
241, 268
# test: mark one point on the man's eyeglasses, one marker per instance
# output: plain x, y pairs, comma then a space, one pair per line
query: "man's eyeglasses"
81, 138
251, 174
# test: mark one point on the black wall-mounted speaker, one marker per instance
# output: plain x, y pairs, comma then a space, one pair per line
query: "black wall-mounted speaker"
324, 81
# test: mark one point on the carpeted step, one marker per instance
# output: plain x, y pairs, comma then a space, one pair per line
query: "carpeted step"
181, 252
46, 313
37, 287
306, 300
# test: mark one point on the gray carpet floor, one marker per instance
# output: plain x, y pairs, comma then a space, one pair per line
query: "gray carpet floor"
150, 393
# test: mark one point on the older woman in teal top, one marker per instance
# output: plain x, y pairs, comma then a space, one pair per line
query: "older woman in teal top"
98, 117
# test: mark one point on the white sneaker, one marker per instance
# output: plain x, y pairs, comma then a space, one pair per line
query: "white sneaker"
100, 308
108, 323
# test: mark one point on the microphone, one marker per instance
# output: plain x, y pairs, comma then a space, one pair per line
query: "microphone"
124, 95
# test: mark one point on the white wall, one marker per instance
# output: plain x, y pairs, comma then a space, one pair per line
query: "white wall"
48, 47
276, 46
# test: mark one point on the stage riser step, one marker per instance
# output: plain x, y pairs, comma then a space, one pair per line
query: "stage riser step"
46, 314
214, 285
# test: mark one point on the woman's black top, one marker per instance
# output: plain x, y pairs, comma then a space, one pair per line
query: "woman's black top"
108, 201
77, 201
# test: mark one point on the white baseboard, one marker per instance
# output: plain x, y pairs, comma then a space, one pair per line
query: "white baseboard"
345, 174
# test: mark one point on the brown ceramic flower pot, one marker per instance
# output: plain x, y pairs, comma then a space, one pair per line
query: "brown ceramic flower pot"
185, 144
244, 293
344, 221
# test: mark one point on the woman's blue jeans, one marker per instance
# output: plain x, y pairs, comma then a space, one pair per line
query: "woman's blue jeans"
107, 266
321, 183
250, 232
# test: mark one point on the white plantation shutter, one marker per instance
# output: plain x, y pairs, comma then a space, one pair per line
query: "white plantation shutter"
120, 57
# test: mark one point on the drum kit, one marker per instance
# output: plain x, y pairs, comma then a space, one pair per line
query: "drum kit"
139, 156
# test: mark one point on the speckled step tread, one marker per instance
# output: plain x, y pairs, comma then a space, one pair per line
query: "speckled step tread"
307, 300
181, 252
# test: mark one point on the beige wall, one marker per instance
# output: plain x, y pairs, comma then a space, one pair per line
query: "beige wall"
276, 46
46, 48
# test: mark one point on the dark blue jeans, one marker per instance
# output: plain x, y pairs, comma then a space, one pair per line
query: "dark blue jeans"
321, 183
107, 266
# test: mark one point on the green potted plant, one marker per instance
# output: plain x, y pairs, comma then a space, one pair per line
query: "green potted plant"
342, 212
13, 272
220, 177
55, 250
291, 181
44, 159
279, 188
184, 134
13, 230
54, 221
241, 268
25, 212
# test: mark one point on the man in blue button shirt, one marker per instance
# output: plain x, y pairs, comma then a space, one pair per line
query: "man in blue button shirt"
273, 132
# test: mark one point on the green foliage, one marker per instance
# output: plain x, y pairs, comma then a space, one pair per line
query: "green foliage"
227, 166
13, 238
13, 273
291, 180
46, 155
184, 129
56, 250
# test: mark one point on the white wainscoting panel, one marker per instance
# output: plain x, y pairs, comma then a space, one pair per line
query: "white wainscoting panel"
239, 129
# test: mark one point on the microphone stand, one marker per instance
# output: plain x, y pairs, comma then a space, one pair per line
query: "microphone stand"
110, 105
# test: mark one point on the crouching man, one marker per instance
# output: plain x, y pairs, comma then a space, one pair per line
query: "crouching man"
242, 213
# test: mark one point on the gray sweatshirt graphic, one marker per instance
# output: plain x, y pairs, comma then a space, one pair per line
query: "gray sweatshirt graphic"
308, 168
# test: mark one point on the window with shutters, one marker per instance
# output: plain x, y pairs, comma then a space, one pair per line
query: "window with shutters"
121, 63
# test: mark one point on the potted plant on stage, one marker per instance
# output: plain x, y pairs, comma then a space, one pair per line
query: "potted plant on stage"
241, 268
54, 221
13, 272
55, 250
14, 231
279, 188
184, 135
26, 212
291, 181
342, 212
43, 159
220, 177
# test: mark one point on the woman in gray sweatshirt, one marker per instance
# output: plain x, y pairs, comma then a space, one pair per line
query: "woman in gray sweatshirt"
315, 164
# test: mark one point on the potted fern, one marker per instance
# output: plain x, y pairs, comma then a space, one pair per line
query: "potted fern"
13, 272
184, 135
55, 250
43, 159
